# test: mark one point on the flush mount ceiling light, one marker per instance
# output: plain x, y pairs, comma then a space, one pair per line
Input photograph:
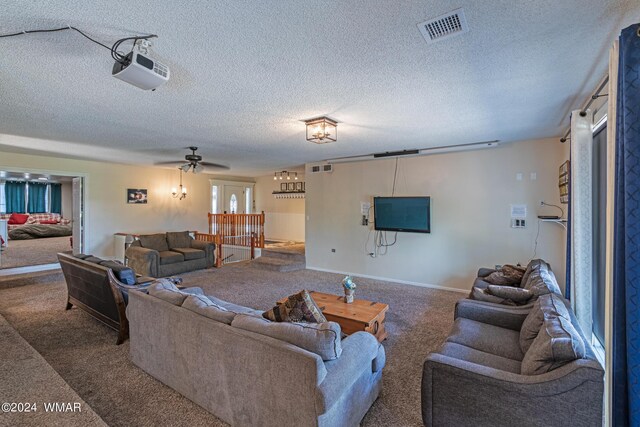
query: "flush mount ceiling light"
322, 130
285, 174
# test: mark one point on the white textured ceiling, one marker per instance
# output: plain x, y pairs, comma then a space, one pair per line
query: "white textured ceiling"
244, 73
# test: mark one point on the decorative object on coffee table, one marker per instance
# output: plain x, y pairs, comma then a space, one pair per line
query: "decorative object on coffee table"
349, 289
361, 315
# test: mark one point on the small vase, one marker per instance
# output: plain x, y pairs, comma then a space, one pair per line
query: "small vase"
348, 295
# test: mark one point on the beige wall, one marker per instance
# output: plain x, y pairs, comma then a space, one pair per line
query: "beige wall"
471, 193
284, 218
106, 209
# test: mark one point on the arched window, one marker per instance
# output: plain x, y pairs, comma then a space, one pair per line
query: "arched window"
233, 204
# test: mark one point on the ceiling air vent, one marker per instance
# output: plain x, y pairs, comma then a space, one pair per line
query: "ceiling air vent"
444, 26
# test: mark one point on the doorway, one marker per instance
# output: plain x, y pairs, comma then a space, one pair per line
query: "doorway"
41, 214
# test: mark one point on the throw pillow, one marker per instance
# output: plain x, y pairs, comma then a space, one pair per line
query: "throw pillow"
180, 239
557, 344
299, 307
48, 221
549, 305
156, 242
507, 275
18, 219
122, 273
322, 339
517, 295
31, 220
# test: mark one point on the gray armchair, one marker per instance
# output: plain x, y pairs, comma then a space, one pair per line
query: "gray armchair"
475, 377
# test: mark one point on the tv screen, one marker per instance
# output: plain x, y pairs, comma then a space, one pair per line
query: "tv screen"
409, 214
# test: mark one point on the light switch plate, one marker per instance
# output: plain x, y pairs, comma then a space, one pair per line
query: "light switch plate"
364, 208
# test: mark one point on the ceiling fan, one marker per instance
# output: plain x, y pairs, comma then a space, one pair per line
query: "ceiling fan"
194, 163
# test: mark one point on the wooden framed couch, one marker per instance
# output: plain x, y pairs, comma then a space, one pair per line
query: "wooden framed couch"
101, 288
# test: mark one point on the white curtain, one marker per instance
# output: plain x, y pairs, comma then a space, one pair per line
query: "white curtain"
581, 217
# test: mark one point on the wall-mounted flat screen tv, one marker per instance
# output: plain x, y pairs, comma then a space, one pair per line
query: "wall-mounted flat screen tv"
408, 214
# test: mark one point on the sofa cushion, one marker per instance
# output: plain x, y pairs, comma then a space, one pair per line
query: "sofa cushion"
299, 307
541, 282
485, 337
166, 290
81, 256
547, 305
478, 357
93, 259
480, 283
557, 344
204, 306
322, 339
189, 253
533, 265
157, 242
507, 275
234, 308
124, 274
517, 295
480, 294
170, 257
178, 239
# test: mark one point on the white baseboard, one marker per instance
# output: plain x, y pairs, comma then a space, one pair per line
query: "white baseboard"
388, 279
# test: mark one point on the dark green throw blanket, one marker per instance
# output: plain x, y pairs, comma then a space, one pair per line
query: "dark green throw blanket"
37, 231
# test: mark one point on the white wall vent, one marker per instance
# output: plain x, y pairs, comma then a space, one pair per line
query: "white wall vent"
444, 26
315, 169
327, 168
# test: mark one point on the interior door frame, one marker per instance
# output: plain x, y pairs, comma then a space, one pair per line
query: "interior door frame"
84, 214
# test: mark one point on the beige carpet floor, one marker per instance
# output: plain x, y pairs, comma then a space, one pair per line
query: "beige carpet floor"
20, 253
83, 352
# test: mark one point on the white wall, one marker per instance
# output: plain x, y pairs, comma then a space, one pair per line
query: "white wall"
284, 218
67, 200
106, 210
471, 193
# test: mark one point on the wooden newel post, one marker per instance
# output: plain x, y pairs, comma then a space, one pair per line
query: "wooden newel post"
253, 245
218, 242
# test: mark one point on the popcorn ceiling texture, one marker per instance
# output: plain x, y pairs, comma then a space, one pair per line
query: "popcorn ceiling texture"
245, 73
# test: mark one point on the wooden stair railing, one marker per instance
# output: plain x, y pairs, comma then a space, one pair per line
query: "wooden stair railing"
238, 229
220, 241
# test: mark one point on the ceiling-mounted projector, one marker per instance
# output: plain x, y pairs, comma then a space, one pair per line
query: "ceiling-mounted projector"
140, 70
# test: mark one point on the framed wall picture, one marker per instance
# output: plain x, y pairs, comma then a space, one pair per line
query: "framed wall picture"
283, 186
291, 186
299, 186
136, 196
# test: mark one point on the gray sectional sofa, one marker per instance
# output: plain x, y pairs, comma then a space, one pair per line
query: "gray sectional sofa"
250, 371
513, 366
168, 254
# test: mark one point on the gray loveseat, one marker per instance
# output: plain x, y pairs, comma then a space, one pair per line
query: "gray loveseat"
485, 375
250, 371
167, 254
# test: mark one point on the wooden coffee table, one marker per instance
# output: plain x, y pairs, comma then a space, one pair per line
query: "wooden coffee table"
361, 315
